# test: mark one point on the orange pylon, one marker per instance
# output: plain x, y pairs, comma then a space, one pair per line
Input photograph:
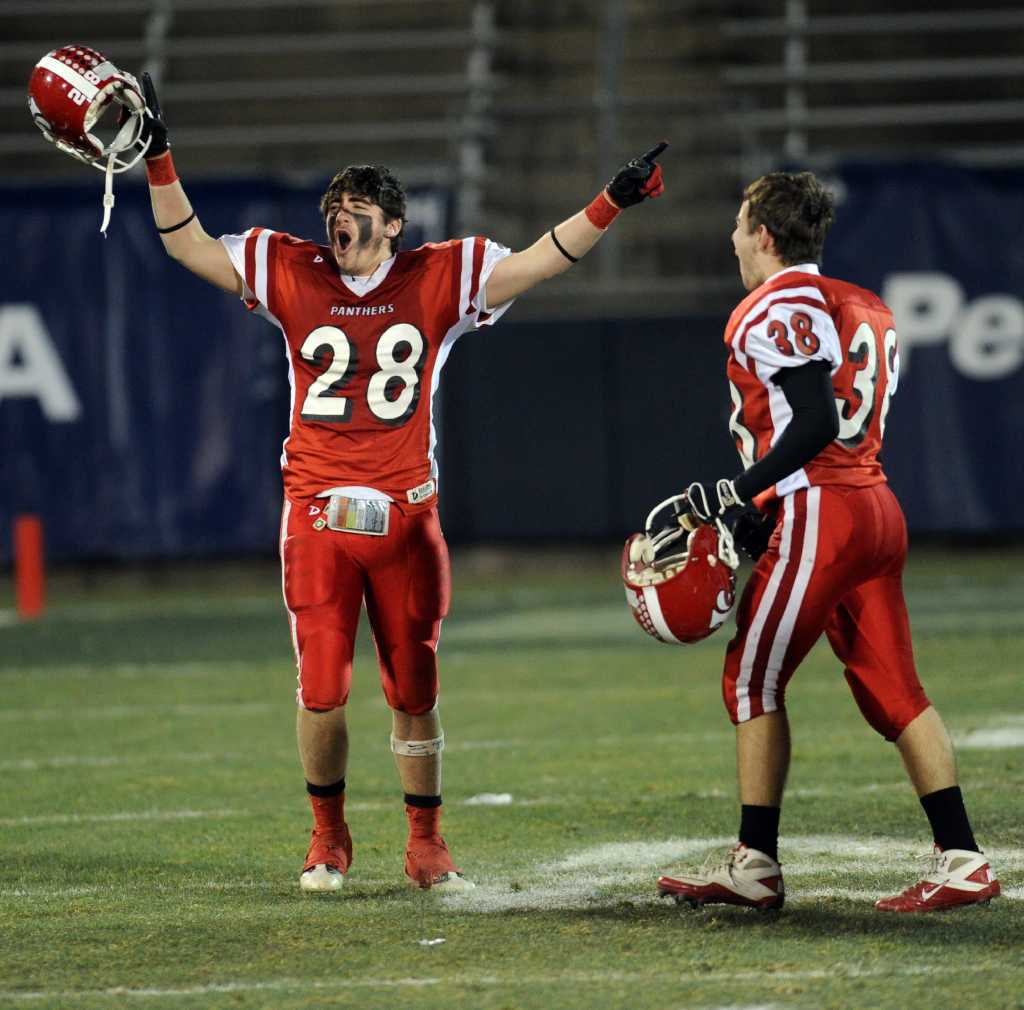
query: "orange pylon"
29, 575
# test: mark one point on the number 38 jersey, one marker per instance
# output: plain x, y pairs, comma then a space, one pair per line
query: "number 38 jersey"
795, 317
364, 354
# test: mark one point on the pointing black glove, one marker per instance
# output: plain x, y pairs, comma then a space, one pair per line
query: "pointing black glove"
638, 179
156, 127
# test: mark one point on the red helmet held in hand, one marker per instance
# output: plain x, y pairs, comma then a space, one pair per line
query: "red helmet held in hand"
72, 91
682, 595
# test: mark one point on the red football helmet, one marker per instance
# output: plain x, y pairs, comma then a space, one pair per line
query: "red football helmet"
70, 91
685, 595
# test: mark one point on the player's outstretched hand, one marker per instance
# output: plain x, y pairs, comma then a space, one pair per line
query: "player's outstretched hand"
153, 125
638, 180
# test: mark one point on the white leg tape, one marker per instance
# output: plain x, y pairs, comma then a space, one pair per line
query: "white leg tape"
417, 748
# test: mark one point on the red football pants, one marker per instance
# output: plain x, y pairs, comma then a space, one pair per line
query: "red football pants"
405, 579
834, 565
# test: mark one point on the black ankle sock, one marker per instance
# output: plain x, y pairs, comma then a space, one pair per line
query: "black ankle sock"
948, 817
422, 801
759, 829
325, 791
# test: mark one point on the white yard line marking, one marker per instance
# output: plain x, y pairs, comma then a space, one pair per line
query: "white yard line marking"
489, 800
35, 893
130, 816
127, 815
1001, 731
1001, 738
601, 621
107, 761
745, 1006
596, 877
152, 608
126, 671
39, 893
125, 711
458, 745
835, 972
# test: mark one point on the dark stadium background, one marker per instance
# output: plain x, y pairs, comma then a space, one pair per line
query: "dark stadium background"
598, 394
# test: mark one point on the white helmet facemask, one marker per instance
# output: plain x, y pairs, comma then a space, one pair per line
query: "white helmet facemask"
126, 146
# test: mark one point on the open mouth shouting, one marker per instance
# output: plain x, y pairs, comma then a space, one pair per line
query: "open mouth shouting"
344, 238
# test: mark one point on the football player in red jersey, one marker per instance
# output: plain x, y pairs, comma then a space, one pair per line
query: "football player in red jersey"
812, 366
367, 329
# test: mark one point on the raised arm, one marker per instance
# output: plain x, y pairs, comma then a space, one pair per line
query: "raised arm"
180, 231
555, 251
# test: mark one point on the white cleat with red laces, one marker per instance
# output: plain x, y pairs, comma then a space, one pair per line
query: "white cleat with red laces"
746, 877
327, 862
955, 877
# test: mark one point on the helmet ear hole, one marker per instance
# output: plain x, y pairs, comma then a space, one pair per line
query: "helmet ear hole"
101, 122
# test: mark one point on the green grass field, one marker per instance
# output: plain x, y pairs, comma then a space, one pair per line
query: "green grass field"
153, 818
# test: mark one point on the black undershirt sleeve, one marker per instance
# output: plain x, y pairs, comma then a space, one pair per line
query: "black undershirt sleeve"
808, 391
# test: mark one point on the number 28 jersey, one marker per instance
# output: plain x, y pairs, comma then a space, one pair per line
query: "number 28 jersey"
795, 317
364, 355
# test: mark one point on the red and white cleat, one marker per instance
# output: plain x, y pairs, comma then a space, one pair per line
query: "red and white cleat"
955, 877
428, 865
746, 877
327, 862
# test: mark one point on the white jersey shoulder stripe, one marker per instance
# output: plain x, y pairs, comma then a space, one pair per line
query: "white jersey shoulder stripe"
260, 267
466, 278
779, 294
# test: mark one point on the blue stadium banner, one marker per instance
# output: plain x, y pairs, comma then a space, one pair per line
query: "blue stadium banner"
942, 245
141, 410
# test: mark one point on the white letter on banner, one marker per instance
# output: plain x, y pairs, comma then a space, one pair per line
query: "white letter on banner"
30, 365
924, 306
988, 342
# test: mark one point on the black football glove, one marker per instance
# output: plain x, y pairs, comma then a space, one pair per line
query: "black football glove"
752, 531
156, 127
153, 126
713, 501
637, 180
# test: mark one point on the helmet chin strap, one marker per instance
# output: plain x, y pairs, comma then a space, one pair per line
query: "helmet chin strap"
108, 193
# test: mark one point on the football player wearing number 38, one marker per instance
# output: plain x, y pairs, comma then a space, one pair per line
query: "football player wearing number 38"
812, 366
367, 330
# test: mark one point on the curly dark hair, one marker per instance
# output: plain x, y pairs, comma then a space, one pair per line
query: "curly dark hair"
374, 183
796, 209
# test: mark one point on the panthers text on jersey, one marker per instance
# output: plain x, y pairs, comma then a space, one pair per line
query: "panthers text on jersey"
364, 354
798, 316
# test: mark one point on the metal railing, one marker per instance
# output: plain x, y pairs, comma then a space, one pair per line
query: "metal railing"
778, 90
793, 74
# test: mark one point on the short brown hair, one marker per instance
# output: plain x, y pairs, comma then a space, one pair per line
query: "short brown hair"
796, 209
374, 183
